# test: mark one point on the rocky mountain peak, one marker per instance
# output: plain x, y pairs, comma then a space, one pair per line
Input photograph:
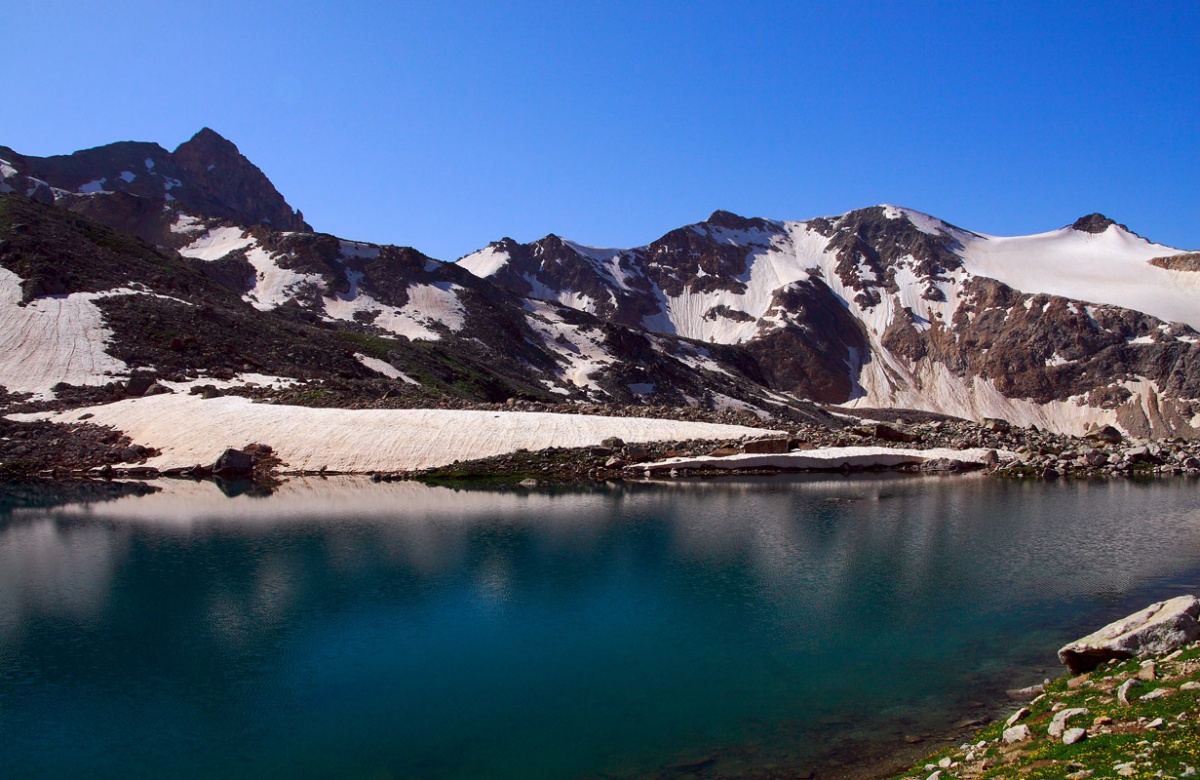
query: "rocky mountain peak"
731, 221
230, 185
1095, 223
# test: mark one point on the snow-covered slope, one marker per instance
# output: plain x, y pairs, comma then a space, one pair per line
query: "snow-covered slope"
892, 307
1110, 267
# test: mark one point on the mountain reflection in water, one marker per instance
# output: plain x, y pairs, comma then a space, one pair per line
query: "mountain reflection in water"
343, 628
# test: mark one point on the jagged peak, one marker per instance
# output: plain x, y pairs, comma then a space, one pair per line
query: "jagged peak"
1096, 223
209, 140
730, 221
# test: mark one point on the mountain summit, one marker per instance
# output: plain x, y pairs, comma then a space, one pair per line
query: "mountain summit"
205, 175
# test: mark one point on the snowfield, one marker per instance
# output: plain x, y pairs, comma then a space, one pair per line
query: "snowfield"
1110, 267
190, 430
52, 340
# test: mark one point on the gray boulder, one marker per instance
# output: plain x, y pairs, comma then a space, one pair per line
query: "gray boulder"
1159, 628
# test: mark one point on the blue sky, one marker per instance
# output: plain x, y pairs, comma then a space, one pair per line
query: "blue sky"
448, 125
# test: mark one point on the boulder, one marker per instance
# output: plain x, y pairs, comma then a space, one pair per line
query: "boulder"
1017, 734
943, 464
1071, 736
1107, 434
138, 384
768, 446
1059, 723
233, 463
1159, 628
636, 453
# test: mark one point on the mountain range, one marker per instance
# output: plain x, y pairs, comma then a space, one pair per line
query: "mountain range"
128, 258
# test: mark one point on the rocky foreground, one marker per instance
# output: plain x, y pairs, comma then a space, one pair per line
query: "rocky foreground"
1135, 713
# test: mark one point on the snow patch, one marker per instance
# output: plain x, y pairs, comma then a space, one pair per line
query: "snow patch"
191, 430
128, 176
428, 305
485, 262
359, 250
582, 352
385, 368
186, 223
93, 187
217, 243
52, 340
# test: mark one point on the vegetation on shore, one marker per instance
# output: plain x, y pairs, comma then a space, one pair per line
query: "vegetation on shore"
1156, 735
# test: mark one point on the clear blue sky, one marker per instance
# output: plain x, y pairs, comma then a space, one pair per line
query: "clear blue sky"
448, 125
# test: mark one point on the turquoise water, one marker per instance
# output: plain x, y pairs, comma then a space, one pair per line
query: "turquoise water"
694, 629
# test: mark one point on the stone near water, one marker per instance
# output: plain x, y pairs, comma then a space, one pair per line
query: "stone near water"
1016, 716
1017, 734
1059, 724
1159, 628
1071, 736
1025, 694
1123, 691
528, 483
233, 463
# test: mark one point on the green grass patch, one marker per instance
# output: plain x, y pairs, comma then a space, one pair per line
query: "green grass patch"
1122, 746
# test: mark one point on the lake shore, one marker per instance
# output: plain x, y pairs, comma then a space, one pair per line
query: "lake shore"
184, 435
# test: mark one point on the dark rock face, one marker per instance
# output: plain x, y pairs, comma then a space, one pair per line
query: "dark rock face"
228, 185
818, 351
206, 175
1094, 223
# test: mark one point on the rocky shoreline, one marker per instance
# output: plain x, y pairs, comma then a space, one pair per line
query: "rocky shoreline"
1129, 706
82, 450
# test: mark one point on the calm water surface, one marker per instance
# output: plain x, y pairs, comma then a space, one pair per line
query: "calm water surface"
342, 629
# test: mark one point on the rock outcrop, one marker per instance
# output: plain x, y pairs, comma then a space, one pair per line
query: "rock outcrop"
1159, 628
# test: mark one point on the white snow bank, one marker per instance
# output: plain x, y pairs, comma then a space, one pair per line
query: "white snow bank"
828, 458
190, 430
52, 340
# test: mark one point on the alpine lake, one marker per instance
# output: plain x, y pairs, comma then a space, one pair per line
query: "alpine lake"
749, 627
